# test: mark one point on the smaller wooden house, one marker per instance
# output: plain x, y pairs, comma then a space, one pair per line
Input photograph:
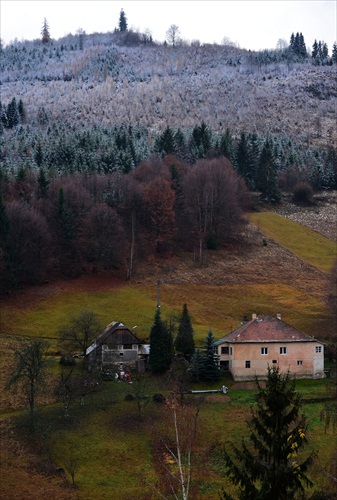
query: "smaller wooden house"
267, 341
117, 344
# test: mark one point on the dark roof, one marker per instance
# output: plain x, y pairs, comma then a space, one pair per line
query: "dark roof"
118, 334
266, 329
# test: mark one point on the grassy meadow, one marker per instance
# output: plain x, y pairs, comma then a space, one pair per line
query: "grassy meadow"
118, 455
302, 241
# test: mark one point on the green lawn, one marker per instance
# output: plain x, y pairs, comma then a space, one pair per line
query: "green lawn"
302, 241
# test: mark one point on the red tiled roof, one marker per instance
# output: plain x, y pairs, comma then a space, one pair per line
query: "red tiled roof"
266, 329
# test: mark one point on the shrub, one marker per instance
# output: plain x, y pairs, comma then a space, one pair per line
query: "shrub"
302, 193
67, 361
158, 398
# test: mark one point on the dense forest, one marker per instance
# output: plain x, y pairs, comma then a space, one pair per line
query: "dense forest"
114, 148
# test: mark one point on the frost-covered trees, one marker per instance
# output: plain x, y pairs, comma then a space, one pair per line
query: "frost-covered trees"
173, 35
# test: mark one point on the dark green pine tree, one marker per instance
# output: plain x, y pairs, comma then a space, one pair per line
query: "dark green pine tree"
122, 23
334, 53
161, 346
266, 175
165, 144
302, 49
202, 139
211, 359
45, 32
22, 111
184, 342
42, 184
226, 145
38, 157
12, 113
181, 149
314, 52
269, 466
244, 161
325, 52
197, 367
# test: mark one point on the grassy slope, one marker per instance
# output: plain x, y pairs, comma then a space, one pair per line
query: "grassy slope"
114, 449
302, 241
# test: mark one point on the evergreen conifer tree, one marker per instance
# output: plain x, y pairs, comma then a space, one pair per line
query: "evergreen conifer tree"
197, 367
226, 145
42, 183
184, 342
267, 174
211, 359
334, 53
12, 114
244, 161
314, 51
45, 32
161, 346
165, 143
270, 467
122, 23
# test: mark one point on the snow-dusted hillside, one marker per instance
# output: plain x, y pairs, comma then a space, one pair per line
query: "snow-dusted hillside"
159, 86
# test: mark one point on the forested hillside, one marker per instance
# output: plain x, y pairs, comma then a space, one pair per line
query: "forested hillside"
114, 148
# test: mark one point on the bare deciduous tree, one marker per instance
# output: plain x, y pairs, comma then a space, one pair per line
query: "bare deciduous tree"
173, 35
80, 332
28, 372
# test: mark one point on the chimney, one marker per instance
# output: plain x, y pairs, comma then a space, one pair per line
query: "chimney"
278, 316
254, 316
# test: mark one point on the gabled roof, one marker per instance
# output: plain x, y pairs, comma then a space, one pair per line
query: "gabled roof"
118, 333
265, 329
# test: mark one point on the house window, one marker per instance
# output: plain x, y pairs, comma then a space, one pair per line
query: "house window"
283, 350
230, 350
127, 346
318, 348
264, 350
274, 361
299, 363
247, 364
224, 350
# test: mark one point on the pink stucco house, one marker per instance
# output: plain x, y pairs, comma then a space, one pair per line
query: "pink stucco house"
265, 340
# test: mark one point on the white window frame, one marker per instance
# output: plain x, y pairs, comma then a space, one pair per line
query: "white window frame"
299, 362
264, 351
283, 350
318, 348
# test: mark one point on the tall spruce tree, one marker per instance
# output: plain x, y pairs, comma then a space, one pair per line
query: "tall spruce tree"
269, 467
226, 145
122, 23
184, 342
197, 367
244, 161
266, 176
45, 32
334, 53
211, 359
161, 346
